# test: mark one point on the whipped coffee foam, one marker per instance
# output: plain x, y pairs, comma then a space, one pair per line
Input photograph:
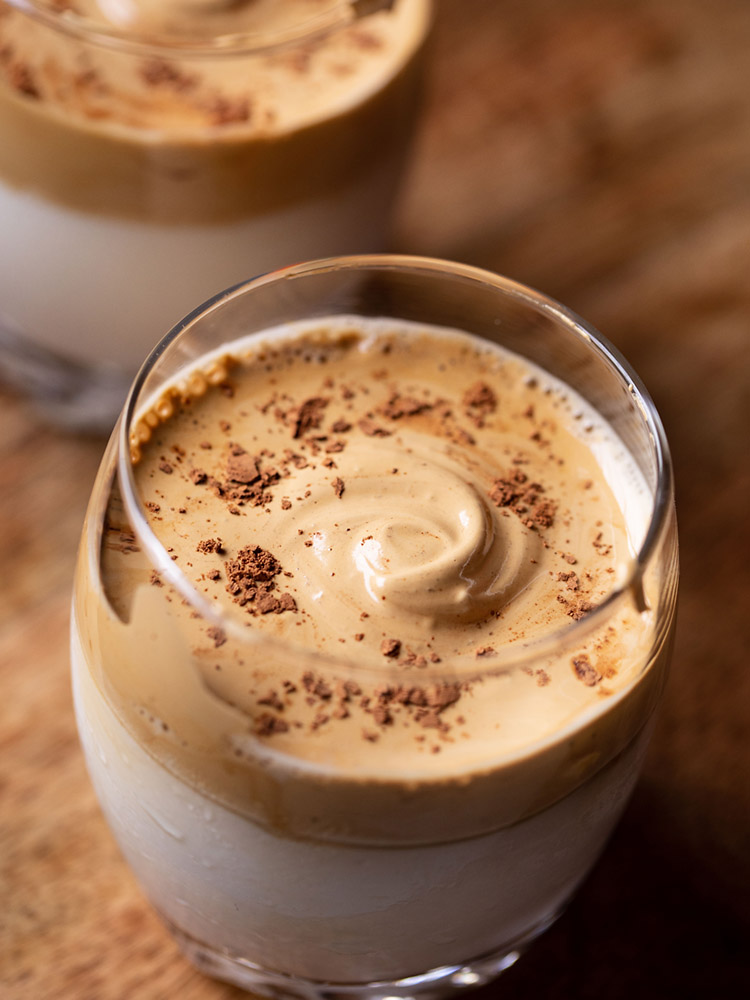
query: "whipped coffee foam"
189, 140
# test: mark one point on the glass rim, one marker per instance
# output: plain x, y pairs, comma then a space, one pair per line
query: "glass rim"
87, 30
508, 657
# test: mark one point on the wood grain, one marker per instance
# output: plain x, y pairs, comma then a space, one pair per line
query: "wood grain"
601, 152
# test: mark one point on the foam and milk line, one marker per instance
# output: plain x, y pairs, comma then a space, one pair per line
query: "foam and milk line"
530, 695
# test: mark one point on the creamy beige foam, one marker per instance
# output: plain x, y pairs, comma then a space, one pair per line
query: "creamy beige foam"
421, 528
186, 140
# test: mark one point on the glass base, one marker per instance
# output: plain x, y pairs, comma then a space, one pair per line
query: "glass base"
65, 393
444, 981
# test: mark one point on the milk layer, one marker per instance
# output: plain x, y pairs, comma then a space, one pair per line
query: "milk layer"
328, 911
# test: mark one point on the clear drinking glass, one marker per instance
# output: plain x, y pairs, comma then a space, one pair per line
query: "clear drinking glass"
361, 875
153, 152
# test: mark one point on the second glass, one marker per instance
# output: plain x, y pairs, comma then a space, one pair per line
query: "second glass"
154, 152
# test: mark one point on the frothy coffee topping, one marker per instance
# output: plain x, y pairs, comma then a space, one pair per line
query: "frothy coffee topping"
178, 138
458, 511
279, 89
372, 517
407, 503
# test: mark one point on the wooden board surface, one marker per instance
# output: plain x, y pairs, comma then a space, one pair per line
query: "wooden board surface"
599, 151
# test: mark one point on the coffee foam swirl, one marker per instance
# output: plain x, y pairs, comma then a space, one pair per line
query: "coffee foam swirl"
413, 534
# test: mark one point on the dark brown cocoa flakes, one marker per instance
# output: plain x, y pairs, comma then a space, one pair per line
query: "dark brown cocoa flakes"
161, 72
576, 609
243, 468
267, 724
208, 545
217, 634
461, 436
316, 686
429, 719
543, 513
266, 603
381, 715
297, 460
479, 400
307, 416
228, 111
272, 700
390, 647
251, 582
369, 427
276, 604
440, 696
286, 602
21, 79
602, 547
585, 671
399, 406
413, 659
524, 499
320, 720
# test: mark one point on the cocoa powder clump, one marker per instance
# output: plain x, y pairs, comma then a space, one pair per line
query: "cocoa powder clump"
524, 498
308, 416
585, 671
208, 545
479, 400
242, 468
267, 724
399, 406
251, 582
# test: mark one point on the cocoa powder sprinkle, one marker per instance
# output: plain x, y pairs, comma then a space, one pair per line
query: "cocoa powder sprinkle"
585, 671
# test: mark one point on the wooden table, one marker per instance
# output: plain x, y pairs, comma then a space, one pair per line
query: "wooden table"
601, 152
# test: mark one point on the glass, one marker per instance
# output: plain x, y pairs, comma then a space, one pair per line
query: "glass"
154, 152
359, 875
